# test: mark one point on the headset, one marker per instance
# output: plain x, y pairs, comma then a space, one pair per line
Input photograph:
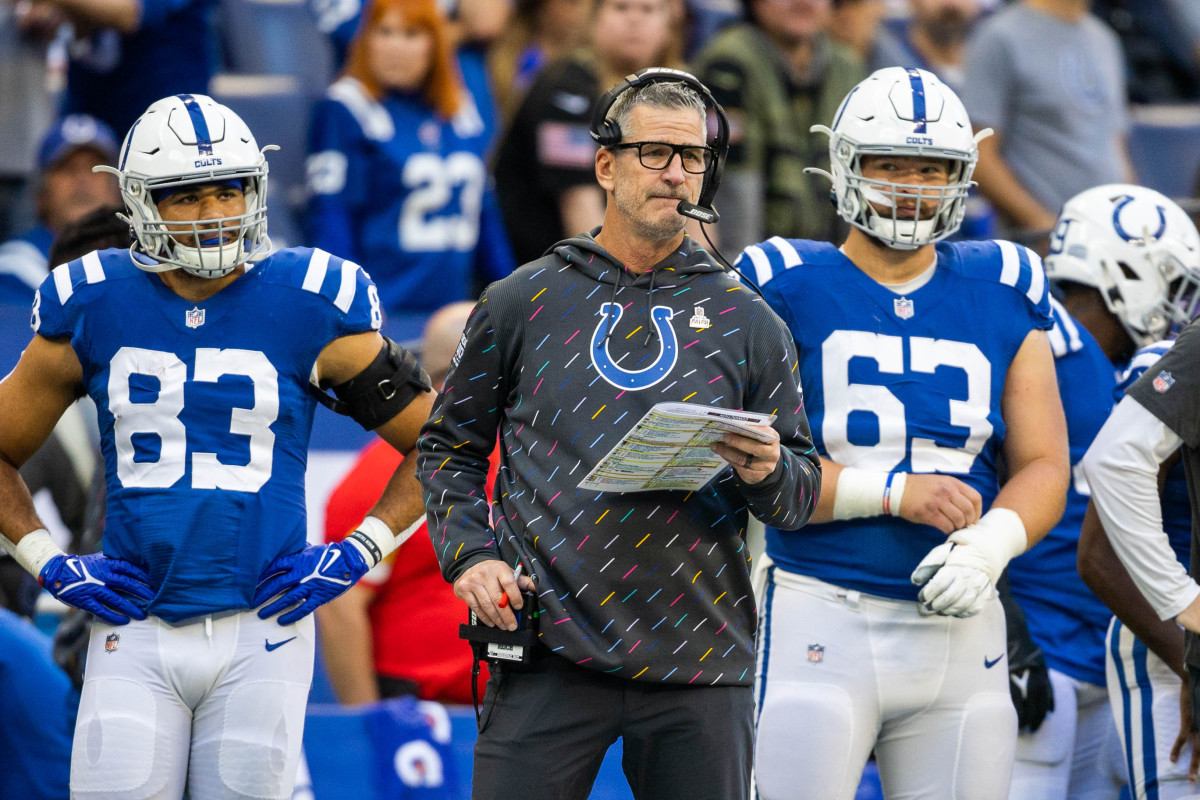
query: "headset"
607, 133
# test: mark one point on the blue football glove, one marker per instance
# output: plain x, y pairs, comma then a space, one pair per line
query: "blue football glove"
98, 584
309, 579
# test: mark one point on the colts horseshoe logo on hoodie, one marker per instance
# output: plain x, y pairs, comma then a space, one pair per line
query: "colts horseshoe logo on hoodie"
632, 380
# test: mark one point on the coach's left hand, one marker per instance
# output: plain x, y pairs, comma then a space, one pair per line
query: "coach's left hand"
754, 461
310, 578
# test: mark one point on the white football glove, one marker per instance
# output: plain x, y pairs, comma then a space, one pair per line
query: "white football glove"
959, 577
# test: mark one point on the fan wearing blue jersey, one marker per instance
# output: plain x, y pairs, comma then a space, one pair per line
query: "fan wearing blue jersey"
204, 353
1139, 255
397, 175
1114, 256
924, 363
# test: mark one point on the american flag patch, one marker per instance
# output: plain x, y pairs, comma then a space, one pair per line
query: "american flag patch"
1163, 381
565, 144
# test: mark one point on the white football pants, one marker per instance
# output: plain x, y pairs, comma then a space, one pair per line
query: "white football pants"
1075, 754
841, 672
1144, 694
215, 705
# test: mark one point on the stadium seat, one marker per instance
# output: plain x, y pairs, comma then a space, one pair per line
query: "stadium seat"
277, 109
275, 37
1164, 144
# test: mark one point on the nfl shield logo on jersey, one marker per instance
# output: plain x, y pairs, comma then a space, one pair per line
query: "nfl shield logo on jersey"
816, 653
1164, 381
699, 321
112, 642
904, 307
194, 318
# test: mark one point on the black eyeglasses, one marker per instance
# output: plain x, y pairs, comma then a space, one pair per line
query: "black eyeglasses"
658, 155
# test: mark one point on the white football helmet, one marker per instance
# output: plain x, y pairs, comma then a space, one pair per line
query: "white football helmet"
901, 111
1138, 249
191, 139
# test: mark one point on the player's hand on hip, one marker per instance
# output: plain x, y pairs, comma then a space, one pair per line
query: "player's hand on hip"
308, 579
482, 586
754, 461
959, 576
943, 501
110, 588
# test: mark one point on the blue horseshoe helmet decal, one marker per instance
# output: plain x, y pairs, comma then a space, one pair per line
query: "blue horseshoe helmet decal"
632, 380
1125, 200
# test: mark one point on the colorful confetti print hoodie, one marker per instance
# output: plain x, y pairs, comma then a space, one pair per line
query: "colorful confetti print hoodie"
558, 361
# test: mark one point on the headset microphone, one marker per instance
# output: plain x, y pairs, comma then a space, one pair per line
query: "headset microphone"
706, 215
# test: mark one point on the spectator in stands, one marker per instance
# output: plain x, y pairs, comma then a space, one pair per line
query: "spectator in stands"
858, 24
67, 191
541, 31
25, 106
1049, 79
472, 22
545, 170
395, 632
129, 53
1161, 41
39, 714
933, 37
777, 74
397, 171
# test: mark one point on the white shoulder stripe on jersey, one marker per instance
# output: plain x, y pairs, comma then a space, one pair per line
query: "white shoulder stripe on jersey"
762, 266
1037, 284
1144, 360
318, 265
62, 283
1012, 263
790, 257
93, 270
371, 116
1064, 336
345, 295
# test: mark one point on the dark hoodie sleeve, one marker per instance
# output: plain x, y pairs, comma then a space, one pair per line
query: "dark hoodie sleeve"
787, 498
461, 432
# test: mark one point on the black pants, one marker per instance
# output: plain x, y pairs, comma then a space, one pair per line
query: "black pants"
544, 733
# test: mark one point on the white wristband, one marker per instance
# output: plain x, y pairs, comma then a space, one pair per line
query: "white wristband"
33, 551
999, 535
868, 493
374, 539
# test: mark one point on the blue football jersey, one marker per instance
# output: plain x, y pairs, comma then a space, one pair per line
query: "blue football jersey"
1176, 508
204, 411
908, 383
407, 194
1065, 619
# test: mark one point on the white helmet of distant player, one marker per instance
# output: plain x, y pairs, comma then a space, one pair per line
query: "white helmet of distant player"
901, 111
185, 140
1138, 249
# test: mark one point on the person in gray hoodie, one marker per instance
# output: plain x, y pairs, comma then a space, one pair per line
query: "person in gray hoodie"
647, 618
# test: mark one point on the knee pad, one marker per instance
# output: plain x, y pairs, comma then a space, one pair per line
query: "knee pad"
113, 753
986, 747
790, 762
260, 740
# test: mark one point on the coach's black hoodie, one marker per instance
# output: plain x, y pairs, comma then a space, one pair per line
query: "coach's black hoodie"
646, 585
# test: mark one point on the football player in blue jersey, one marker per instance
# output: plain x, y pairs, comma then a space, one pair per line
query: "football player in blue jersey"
397, 173
1114, 256
199, 347
1140, 255
924, 363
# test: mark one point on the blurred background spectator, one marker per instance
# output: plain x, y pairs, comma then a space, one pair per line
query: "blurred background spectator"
933, 38
126, 54
397, 172
396, 631
1161, 40
545, 172
67, 190
858, 24
1049, 78
777, 73
541, 31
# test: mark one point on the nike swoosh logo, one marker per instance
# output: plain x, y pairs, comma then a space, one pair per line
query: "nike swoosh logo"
277, 645
986, 664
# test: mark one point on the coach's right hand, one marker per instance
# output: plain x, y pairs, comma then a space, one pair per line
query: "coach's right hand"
942, 501
98, 584
482, 586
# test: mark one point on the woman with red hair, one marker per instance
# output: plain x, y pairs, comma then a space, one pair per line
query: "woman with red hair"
397, 172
